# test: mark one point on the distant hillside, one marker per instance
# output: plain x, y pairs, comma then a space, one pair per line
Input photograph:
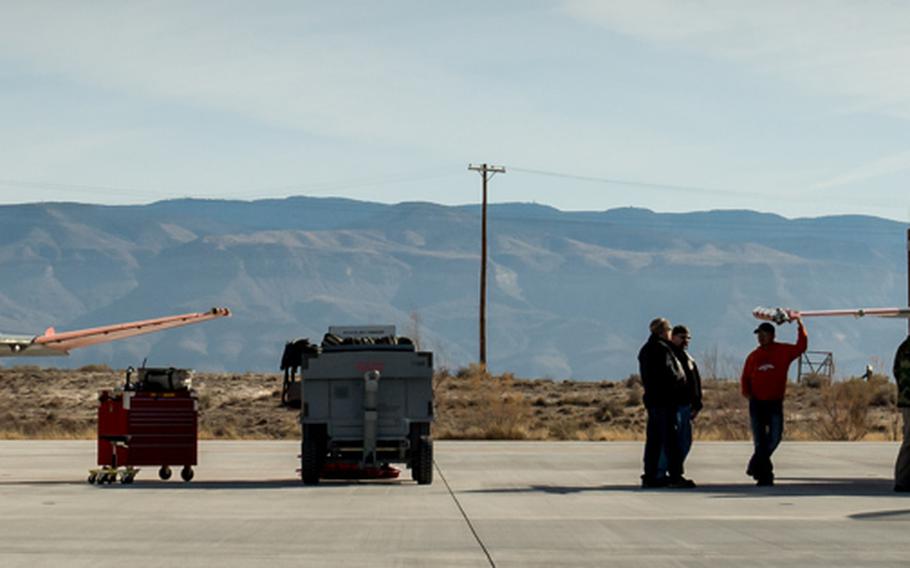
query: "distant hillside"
570, 292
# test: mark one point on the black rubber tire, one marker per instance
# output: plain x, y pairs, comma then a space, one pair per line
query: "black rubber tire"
164, 473
422, 463
91, 478
312, 455
417, 430
186, 473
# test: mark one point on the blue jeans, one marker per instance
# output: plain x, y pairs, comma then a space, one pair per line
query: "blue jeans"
683, 438
661, 438
767, 417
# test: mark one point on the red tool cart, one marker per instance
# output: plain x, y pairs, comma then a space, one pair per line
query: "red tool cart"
152, 422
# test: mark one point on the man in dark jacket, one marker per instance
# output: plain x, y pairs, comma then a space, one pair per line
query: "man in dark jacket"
902, 376
663, 378
689, 402
690, 398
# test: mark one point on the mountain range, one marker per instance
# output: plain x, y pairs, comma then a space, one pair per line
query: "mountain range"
570, 293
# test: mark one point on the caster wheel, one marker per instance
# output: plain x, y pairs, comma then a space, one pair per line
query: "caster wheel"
164, 473
186, 473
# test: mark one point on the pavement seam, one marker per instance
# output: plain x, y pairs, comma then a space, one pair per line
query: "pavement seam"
464, 514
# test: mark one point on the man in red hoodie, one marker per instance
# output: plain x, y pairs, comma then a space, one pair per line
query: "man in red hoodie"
764, 382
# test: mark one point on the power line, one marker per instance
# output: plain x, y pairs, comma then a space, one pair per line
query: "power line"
402, 177
660, 221
635, 183
355, 183
261, 193
77, 188
725, 192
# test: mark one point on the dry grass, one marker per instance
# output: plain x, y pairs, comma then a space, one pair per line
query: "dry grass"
40, 403
476, 405
726, 413
844, 411
48, 433
480, 406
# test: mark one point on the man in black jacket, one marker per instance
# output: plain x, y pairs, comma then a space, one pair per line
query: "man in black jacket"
689, 404
663, 378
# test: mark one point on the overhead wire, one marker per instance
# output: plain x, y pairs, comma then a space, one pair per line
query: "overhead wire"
632, 183
725, 192
260, 193
783, 225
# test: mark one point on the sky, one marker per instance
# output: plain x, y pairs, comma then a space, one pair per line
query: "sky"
797, 108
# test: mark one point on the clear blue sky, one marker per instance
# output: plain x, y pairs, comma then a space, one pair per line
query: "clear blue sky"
799, 108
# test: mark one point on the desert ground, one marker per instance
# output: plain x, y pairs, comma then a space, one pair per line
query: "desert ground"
50, 403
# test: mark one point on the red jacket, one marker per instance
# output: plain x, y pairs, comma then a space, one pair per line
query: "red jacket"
765, 372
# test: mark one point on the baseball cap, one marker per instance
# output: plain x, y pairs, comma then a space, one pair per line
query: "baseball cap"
681, 330
765, 326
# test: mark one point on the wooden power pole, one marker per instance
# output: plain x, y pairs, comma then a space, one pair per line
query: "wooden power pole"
487, 172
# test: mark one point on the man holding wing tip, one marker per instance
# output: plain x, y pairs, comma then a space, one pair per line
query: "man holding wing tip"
764, 383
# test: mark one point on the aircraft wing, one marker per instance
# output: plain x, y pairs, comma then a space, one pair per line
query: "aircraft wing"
52, 343
782, 315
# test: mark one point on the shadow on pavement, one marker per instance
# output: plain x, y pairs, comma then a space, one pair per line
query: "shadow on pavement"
784, 486
881, 515
210, 485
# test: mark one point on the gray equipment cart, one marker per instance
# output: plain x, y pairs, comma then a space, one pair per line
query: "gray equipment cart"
366, 400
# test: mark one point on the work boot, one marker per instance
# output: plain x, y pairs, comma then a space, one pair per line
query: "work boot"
681, 483
654, 483
765, 481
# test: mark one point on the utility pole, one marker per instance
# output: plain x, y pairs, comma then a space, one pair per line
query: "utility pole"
487, 172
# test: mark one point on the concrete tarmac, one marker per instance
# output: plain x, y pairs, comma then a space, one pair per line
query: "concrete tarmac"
491, 503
